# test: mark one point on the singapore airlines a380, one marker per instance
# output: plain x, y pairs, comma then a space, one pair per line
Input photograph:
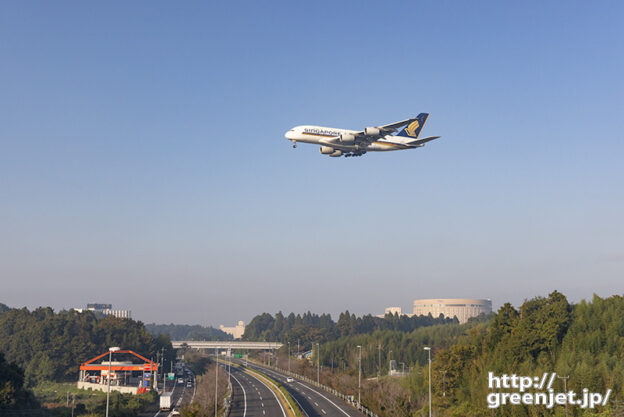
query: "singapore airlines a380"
343, 142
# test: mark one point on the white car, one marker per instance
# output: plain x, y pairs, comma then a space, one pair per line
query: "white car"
290, 379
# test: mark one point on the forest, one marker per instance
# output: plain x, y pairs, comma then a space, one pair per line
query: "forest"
41, 345
583, 341
187, 332
312, 328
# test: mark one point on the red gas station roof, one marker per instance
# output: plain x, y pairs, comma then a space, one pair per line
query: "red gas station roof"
147, 365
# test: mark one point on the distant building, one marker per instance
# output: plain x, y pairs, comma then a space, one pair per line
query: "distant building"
98, 306
106, 310
236, 331
462, 308
393, 310
120, 314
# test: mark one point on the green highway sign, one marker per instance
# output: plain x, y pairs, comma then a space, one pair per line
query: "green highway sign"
238, 355
170, 376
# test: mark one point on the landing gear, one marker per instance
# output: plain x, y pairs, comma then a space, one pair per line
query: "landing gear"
359, 153
294, 143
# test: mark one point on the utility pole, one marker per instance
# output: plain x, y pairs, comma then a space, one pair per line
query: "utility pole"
288, 357
73, 403
428, 349
216, 378
318, 364
379, 362
359, 373
565, 389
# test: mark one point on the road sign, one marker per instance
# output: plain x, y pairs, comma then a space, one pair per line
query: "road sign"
238, 355
170, 376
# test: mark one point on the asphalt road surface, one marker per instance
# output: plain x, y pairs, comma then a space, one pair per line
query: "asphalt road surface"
314, 401
252, 398
182, 394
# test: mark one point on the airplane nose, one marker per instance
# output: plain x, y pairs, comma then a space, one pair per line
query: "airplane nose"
288, 135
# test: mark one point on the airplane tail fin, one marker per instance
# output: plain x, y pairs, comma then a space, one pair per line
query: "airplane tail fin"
412, 130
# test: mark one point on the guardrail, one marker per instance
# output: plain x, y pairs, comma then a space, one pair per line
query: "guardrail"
346, 398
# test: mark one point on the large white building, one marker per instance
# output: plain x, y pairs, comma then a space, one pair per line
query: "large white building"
236, 331
392, 310
106, 310
462, 308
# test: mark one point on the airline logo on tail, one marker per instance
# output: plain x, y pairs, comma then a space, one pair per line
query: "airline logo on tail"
413, 129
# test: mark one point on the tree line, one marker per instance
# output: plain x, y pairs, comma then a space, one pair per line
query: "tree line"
51, 346
187, 332
583, 341
312, 328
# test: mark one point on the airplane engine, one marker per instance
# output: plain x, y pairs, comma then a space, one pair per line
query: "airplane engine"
336, 154
372, 131
347, 137
327, 150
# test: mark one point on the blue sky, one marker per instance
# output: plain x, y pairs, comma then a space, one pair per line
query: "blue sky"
143, 159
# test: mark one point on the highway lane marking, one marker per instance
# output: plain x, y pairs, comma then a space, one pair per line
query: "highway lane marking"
300, 406
244, 395
263, 412
333, 403
260, 398
316, 404
272, 392
262, 404
324, 412
309, 397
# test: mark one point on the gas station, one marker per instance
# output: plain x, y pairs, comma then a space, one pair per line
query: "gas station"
125, 375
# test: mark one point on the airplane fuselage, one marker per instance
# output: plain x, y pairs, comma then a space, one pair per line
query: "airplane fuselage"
320, 135
345, 142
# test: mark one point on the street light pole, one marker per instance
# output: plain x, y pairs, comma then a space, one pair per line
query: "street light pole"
318, 364
359, 373
565, 389
110, 358
288, 357
428, 349
216, 378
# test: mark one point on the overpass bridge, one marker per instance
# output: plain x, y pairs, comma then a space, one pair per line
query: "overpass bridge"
227, 344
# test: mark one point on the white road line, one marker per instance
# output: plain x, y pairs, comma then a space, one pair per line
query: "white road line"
263, 412
309, 397
262, 404
300, 406
316, 404
324, 412
276, 399
244, 395
333, 403
260, 398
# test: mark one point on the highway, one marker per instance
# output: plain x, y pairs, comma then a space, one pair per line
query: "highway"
252, 398
313, 401
182, 395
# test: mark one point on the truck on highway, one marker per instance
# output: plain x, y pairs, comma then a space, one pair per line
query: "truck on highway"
165, 401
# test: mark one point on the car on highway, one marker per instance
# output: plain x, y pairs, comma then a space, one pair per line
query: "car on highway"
290, 379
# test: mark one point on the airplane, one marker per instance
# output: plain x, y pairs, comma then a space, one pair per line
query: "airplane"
342, 142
